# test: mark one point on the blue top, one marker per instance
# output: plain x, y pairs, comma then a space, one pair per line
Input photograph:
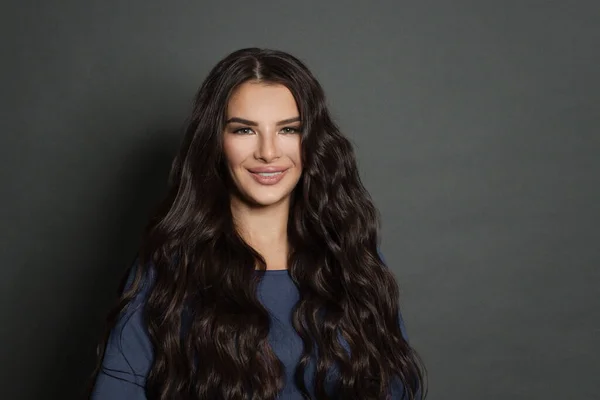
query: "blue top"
128, 356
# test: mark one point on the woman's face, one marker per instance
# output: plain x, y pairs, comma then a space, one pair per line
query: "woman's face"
262, 143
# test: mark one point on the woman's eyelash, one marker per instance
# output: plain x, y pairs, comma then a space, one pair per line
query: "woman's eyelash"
287, 129
241, 131
291, 129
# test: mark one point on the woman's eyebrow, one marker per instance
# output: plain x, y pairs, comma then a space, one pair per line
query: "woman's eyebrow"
253, 123
288, 121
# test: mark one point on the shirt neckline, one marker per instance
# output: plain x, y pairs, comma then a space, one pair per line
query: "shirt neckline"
274, 271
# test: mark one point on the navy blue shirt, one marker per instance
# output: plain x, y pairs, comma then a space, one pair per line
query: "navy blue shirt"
128, 356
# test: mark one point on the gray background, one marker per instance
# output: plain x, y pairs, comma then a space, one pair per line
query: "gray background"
477, 130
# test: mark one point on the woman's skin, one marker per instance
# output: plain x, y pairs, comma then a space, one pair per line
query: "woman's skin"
263, 130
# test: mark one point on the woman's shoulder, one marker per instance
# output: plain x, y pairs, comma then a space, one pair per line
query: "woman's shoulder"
143, 277
128, 354
147, 275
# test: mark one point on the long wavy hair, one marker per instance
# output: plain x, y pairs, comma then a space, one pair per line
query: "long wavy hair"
204, 277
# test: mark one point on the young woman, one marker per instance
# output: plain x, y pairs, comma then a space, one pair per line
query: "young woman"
259, 276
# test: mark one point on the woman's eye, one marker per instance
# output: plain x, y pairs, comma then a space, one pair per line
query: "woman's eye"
290, 130
243, 131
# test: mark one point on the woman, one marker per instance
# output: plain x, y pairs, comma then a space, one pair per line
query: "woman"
259, 277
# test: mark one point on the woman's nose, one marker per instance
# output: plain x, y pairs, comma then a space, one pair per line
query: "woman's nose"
267, 147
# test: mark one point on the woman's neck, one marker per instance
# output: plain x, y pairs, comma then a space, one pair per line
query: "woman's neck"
265, 229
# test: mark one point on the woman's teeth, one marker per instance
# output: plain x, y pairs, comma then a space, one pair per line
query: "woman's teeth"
269, 173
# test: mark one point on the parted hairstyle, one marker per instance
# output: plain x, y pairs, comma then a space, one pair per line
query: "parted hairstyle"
205, 280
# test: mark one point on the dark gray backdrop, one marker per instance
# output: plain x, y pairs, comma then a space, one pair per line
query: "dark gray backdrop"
476, 125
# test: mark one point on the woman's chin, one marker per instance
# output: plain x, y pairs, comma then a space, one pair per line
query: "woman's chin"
266, 199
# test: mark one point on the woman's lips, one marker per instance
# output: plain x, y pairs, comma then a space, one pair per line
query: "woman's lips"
267, 176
